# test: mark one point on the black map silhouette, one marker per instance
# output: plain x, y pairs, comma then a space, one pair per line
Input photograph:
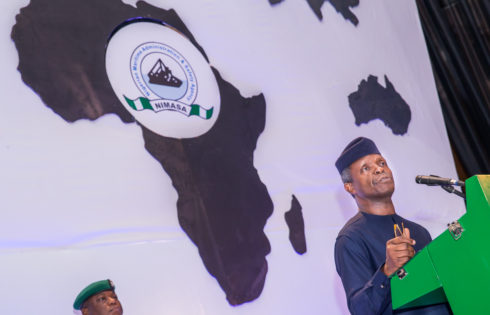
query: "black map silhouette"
294, 220
372, 101
222, 204
341, 6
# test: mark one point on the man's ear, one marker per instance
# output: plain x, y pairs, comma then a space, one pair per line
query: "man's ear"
349, 188
84, 310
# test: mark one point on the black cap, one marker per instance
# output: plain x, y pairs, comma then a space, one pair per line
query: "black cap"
355, 150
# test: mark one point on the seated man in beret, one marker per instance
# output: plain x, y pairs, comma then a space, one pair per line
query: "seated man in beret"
367, 250
98, 298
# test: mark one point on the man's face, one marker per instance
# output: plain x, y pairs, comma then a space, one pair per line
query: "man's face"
371, 178
103, 303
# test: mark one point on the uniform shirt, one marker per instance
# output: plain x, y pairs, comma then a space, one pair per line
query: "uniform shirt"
360, 253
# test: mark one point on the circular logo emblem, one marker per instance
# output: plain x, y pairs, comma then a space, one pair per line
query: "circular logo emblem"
162, 79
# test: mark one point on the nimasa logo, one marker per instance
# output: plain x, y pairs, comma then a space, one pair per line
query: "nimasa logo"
169, 86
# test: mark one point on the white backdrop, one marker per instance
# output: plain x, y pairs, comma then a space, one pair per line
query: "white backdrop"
68, 213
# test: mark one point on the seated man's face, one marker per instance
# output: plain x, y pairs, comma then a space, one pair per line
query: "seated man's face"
103, 303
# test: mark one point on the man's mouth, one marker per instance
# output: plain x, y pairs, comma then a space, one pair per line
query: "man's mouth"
383, 179
116, 310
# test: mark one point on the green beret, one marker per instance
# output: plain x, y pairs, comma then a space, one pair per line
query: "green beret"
91, 289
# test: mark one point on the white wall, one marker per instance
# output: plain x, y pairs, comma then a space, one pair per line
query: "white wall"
51, 246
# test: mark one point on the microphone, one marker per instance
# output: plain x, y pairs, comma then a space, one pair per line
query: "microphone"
436, 180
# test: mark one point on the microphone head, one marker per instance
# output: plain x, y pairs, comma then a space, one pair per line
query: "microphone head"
431, 180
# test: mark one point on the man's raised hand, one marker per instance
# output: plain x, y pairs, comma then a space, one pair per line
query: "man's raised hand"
399, 250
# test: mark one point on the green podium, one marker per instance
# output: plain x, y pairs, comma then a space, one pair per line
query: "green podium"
455, 267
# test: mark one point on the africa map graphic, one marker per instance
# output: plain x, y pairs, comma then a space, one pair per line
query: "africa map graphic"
222, 204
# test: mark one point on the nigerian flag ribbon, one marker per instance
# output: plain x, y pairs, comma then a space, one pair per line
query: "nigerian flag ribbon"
158, 105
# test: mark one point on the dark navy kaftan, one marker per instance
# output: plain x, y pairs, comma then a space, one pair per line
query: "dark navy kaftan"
360, 253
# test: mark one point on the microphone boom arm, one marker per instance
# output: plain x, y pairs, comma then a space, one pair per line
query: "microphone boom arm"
450, 189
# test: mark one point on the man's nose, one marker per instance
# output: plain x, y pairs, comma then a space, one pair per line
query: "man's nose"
379, 169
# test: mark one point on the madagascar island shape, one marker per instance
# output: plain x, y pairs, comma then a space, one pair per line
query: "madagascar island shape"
296, 224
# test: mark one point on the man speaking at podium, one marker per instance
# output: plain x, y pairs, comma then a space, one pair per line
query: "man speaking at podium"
376, 242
